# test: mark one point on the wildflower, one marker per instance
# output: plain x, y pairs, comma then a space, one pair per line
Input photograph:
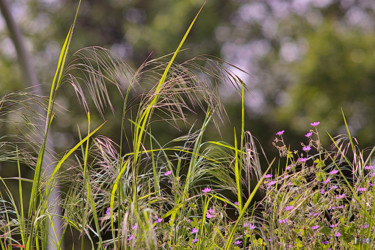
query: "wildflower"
206, 190
373, 174
108, 211
252, 226
158, 220
287, 208
365, 226
287, 167
369, 167
333, 225
302, 159
238, 242
195, 240
340, 196
135, 226
322, 191
325, 242
326, 181
334, 186
168, 173
315, 227
236, 203
335, 171
131, 237
308, 134
337, 234
314, 124
246, 224
280, 132
306, 148
362, 189
210, 213
283, 221
194, 230
267, 176
271, 183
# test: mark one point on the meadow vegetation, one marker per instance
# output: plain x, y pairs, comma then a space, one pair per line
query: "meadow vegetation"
188, 193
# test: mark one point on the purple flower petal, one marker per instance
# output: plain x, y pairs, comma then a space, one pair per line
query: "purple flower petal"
306, 148
308, 134
280, 132
167, 173
314, 124
335, 171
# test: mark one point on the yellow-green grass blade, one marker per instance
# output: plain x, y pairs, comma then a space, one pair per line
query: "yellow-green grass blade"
237, 174
55, 82
146, 114
66, 156
114, 189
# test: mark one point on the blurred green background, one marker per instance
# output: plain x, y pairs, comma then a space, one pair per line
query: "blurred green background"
305, 59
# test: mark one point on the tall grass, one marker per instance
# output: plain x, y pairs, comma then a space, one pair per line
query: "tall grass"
189, 192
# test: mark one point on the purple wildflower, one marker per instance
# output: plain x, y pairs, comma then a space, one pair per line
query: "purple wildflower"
362, 189
302, 159
168, 173
314, 124
108, 211
194, 230
337, 234
365, 226
315, 227
135, 226
325, 242
333, 225
308, 134
195, 240
267, 176
369, 167
158, 220
210, 213
288, 208
131, 237
271, 183
238, 242
326, 181
334, 187
236, 203
306, 148
335, 171
252, 226
280, 132
283, 221
322, 191
340, 196
206, 190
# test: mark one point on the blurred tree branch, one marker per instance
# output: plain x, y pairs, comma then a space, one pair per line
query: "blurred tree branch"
30, 78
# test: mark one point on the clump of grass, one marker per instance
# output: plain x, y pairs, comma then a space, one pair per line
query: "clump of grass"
189, 192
